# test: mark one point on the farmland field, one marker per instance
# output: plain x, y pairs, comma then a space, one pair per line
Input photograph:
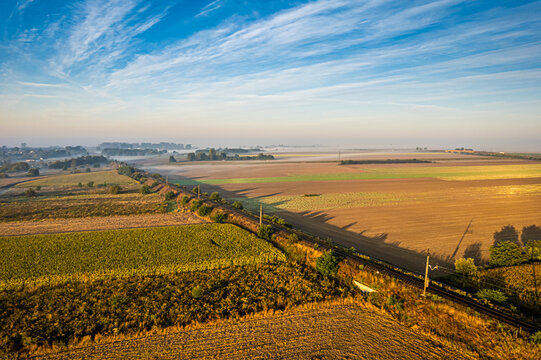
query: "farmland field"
60, 225
394, 212
56, 257
108, 177
72, 205
326, 332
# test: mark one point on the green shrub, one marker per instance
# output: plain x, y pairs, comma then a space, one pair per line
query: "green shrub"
465, 267
219, 217
238, 205
115, 189
197, 292
154, 184
536, 338
195, 205
327, 264
215, 196
506, 253
30, 193
80, 184
33, 172
204, 210
265, 232
293, 238
205, 194
494, 296
184, 200
90, 184
38, 188
170, 195
195, 189
87, 170
145, 190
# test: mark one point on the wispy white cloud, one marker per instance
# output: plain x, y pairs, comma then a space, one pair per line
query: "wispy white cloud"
21, 5
210, 7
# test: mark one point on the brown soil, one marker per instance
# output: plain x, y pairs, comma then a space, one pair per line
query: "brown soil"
51, 226
329, 332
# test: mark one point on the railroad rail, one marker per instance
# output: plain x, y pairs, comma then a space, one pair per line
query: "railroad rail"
437, 288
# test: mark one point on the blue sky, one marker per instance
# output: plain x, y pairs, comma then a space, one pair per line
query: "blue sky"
342, 72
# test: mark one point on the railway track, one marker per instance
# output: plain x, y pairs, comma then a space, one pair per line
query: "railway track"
387, 269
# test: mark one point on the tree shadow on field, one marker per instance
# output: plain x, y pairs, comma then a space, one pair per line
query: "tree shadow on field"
317, 223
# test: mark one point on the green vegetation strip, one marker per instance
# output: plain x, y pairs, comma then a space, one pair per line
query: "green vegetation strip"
44, 259
392, 172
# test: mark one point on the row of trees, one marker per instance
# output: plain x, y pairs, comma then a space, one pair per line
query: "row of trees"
511, 249
214, 155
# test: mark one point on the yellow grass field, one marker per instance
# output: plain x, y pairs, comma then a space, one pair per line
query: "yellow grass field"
108, 177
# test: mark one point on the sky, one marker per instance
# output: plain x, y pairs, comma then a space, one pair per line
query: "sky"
358, 73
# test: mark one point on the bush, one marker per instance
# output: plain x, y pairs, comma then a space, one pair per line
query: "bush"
265, 232
87, 169
184, 200
197, 292
219, 217
195, 205
30, 193
494, 296
238, 205
536, 338
215, 196
327, 264
115, 189
33, 172
126, 170
170, 195
145, 190
195, 189
465, 267
204, 210
293, 238
90, 184
154, 184
80, 184
506, 253
38, 188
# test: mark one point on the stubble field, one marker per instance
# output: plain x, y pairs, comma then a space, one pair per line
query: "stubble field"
328, 332
393, 212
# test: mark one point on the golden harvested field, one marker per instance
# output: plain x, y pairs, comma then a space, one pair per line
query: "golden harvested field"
393, 212
52, 226
329, 332
108, 177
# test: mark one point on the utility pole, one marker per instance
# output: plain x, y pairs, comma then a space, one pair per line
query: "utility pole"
167, 180
426, 273
198, 191
260, 214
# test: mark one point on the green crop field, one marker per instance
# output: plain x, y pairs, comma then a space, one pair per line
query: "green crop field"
53, 258
451, 173
109, 177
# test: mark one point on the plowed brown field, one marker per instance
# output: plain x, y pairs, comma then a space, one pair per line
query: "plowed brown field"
396, 219
330, 332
